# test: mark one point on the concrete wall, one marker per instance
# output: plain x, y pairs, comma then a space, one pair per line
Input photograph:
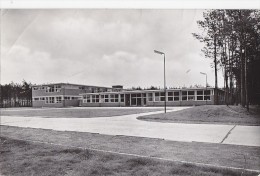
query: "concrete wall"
56, 105
43, 104
109, 104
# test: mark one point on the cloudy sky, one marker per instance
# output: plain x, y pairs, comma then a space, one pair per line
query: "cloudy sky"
103, 47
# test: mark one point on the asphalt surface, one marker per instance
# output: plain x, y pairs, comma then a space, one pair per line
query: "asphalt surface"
128, 125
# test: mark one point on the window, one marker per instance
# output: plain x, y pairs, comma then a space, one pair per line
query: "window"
150, 96
67, 98
88, 98
191, 95
95, 98
36, 99
122, 98
35, 88
106, 98
200, 95
50, 89
170, 96
56, 88
162, 96
176, 96
112, 98
58, 99
184, 95
42, 98
116, 98
49, 100
206, 94
157, 98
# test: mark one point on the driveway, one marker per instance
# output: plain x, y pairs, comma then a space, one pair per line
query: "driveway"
128, 125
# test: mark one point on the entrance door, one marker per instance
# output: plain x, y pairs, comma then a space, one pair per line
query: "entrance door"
127, 99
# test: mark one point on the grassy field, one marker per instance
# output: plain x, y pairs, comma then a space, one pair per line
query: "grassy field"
25, 158
218, 114
78, 112
214, 154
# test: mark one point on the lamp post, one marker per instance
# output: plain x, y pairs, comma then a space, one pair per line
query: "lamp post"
161, 53
206, 83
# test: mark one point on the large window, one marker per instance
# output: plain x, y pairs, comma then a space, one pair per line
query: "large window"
157, 96
206, 94
106, 98
58, 99
184, 95
203, 95
176, 96
173, 96
56, 88
114, 98
150, 96
95, 98
122, 98
200, 95
162, 96
170, 96
49, 100
191, 95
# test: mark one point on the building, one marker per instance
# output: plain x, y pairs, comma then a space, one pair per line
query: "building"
174, 97
62, 94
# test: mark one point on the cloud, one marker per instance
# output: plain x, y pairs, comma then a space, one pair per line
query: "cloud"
102, 47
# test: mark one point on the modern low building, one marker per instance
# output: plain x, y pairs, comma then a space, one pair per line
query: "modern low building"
174, 97
62, 94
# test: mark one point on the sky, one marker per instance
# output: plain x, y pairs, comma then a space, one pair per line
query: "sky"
103, 47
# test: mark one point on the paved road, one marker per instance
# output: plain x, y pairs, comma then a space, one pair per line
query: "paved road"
128, 125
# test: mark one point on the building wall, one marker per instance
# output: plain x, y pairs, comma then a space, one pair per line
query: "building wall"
153, 102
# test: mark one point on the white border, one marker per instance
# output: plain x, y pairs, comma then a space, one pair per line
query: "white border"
131, 4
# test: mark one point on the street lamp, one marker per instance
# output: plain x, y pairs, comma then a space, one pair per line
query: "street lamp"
161, 53
206, 84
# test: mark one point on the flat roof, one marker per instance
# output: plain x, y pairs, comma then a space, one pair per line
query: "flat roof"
69, 84
160, 90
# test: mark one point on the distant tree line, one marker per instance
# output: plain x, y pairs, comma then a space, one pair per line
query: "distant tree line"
16, 95
232, 40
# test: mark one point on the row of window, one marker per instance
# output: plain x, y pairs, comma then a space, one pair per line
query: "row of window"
103, 98
57, 88
202, 95
54, 99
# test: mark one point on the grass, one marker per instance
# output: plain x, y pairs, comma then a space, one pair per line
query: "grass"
25, 158
215, 154
78, 113
215, 114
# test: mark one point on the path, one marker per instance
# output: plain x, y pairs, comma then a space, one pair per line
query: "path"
128, 125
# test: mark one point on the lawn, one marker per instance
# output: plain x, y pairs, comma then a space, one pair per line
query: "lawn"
214, 154
77, 112
215, 114
25, 158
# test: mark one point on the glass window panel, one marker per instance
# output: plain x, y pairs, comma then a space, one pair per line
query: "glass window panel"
176, 93
199, 92
176, 98
170, 98
206, 92
190, 92
199, 97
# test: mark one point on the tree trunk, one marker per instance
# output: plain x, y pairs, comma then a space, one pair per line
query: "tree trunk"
216, 70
